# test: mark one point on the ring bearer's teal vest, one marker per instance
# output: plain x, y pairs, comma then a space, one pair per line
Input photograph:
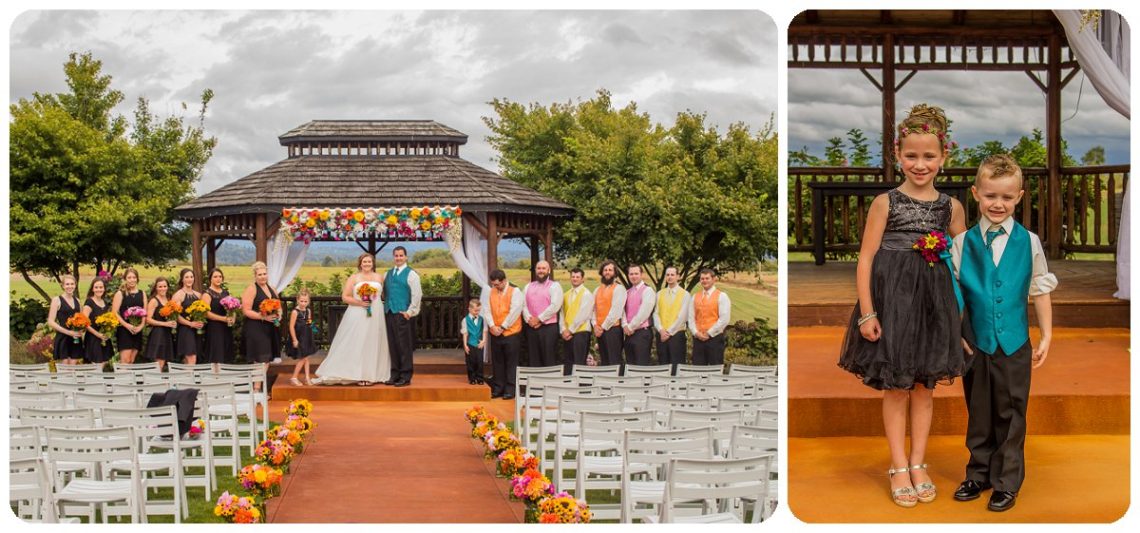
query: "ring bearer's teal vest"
996, 296
398, 293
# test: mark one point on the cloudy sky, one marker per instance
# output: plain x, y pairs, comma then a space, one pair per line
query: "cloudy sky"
984, 106
273, 70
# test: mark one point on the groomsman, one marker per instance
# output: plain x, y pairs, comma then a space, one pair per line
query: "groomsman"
670, 318
609, 302
502, 316
543, 299
574, 320
639, 300
402, 295
708, 317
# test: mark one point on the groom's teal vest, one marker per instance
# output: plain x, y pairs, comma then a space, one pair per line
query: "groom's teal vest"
996, 296
398, 293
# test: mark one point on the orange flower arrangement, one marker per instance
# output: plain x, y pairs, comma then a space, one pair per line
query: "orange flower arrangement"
172, 308
271, 307
78, 323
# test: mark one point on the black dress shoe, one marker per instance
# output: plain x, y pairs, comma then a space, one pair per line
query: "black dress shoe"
508, 396
970, 490
1002, 500
401, 383
496, 395
389, 382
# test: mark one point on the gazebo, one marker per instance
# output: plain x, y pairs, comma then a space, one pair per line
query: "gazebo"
372, 182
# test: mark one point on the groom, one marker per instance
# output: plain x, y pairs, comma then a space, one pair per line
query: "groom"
401, 304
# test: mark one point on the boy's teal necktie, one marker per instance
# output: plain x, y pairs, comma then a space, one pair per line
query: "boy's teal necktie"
995, 230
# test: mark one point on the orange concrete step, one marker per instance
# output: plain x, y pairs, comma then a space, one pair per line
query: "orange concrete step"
424, 388
1083, 388
1069, 478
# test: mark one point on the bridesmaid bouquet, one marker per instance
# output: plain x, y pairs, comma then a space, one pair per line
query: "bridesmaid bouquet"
231, 305
134, 315
106, 324
172, 308
931, 245
366, 292
271, 306
196, 312
78, 323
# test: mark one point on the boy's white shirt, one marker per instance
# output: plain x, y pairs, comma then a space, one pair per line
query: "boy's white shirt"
1041, 282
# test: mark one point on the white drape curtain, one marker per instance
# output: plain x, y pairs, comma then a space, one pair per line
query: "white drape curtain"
470, 251
285, 259
1104, 55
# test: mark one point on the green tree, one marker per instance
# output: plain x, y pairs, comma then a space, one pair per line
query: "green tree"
834, 153
1095, 156
645, 193
89, 188
860, 150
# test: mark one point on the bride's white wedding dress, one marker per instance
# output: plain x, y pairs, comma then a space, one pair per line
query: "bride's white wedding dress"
359, 352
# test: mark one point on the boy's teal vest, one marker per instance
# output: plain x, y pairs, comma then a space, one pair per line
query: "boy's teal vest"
996, 296
399, 294
474, 330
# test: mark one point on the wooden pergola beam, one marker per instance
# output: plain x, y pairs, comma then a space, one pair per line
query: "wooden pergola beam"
1053, 147
888, 98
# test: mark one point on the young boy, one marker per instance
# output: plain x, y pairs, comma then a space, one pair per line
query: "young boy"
474, 339
1000, 265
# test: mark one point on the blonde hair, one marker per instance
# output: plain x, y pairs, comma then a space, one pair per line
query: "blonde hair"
127, 272
259, 265
925, 119
999, 166
66, 277
304, 292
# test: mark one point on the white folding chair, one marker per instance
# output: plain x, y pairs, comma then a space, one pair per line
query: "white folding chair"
254, 393
30, 490
100, 401
766, 418
607, 381
221, 416
749, 405
551, 396
33, 367
197, 368
251, 430
70, 389
137, 367
750, 441
648, 370
531, 402
636, 396
645, 456
722, 423
663, 405
718, 486
714, 390
155, 424
565, 421
25, 442
736, 369
98, 448
85, 367
522, 378
25, 385
700, 370
41, 399
590, 371
598, 462
198, 451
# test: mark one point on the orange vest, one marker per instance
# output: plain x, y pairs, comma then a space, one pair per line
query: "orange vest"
706, 309
501, 307
602, 302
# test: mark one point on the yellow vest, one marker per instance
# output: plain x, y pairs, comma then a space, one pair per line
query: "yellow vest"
571, 303
668, 309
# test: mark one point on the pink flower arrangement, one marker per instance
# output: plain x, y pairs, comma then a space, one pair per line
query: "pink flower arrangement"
531, 486
230, 304
134, 315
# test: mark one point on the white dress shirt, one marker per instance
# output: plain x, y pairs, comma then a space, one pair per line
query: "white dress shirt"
512, 314
555, 292
414, 285
1041, 281
682, 313
648, 302
585, 309
724, 310
617, 307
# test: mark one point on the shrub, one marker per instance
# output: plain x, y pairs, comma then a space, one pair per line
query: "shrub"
23, 316
751, 343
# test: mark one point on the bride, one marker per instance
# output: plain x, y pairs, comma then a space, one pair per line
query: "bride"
359, 352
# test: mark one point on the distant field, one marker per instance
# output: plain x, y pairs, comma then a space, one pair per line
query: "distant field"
750, 298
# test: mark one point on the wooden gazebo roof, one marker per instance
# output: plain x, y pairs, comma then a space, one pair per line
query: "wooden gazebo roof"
404, 130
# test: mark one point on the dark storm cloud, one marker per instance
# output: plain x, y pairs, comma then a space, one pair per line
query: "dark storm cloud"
273, 70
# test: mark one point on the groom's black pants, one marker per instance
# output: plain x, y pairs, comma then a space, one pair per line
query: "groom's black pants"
504, 362
401, 342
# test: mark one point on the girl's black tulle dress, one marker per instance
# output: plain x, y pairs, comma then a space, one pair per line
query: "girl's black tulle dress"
915, 302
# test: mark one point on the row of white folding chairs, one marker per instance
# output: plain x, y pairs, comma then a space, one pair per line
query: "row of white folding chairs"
627, 451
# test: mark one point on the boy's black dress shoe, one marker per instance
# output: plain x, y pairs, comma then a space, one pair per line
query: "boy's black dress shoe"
496, 395
401, 383
970, 490
1002, 500
508, 396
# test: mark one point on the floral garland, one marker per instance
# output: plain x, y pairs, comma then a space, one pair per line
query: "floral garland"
544, 504
350, 224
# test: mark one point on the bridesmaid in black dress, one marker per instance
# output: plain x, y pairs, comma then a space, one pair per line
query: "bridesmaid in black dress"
189, 341
67, 348
219, 324
97, 347
262, 339
128, 338
160, 342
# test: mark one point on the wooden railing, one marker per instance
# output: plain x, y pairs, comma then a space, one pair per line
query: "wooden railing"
1090, 206
437, 325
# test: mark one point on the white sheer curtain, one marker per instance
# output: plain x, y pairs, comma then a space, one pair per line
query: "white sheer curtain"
469, 251
285, 259
1104, 55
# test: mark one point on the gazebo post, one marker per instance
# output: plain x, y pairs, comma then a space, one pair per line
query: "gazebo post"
259, 238
888, 94
1053, 235
548, 243
533, 257
492, 242
196, 252
211, 254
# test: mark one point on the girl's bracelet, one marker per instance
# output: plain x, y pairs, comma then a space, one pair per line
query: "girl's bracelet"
863, 319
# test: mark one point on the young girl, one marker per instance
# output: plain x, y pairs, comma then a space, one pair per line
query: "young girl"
301, 333
128, 337
160, 342
904, 335
219, 323
189, 341
95, 349
67, 348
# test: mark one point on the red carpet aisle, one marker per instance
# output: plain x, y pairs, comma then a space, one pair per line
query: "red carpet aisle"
402, 462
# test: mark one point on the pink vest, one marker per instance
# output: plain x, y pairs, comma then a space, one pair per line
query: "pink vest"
538, 299
633, 304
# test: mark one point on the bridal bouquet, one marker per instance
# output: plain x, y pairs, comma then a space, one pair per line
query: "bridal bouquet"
78, 323
106, 324
196, 312
366, 292
271, 307
134, 315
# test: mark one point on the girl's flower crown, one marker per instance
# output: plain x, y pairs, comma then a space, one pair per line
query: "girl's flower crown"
943, 136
